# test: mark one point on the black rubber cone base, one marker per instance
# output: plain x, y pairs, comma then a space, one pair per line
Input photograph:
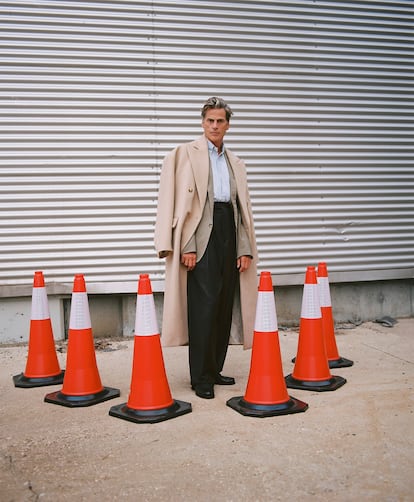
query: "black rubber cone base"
28, 382
341, 362
332, 383
150, 416
80, 401
266, 410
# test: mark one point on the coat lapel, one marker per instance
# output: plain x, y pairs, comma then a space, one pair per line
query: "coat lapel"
200, 165
234, 161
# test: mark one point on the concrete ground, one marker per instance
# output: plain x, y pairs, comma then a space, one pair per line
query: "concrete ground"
352, 444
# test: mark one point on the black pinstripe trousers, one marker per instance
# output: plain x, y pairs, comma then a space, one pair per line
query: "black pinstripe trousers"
210, 293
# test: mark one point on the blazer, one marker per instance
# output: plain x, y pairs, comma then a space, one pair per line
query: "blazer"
184, 221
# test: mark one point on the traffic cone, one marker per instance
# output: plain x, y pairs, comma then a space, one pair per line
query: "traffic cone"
328, 326
311, 371
82, 383
150, 398
42, 366
266, 393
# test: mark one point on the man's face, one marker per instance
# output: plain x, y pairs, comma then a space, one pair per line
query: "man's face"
215, 125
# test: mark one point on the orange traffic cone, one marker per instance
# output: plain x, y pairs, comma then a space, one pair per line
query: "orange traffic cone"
328, 326
42, 366
311, 371
150, 398
266, 394
82, 383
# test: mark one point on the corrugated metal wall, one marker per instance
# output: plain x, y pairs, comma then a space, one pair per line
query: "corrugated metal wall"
94, 93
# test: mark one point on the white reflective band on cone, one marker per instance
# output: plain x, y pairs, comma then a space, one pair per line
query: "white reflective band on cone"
79, 312
324, 293
266, 319
40, 307
310, 302
146, 320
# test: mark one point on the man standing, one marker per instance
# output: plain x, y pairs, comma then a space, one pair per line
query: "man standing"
205, 230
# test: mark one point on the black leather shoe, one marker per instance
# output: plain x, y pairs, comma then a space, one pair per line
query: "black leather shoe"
204, 390
224, 380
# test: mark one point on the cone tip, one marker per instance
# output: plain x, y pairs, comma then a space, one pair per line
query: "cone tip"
38, 280
144, 285
265, 283
322, 269
79, 284
310, 277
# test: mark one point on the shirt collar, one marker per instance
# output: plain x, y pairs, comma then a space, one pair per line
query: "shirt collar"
212, 147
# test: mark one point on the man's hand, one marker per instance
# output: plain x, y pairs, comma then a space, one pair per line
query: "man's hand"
243, 263
189, 260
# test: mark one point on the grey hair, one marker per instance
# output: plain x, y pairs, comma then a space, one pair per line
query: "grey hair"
215, 102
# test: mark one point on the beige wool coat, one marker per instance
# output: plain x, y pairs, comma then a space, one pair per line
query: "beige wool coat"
185, 204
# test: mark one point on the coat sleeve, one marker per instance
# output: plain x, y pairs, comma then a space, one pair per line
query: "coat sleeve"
246, 240
246, 235
243, 241
164, 224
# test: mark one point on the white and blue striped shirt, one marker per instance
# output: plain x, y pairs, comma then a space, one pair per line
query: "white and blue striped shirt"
220, 170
